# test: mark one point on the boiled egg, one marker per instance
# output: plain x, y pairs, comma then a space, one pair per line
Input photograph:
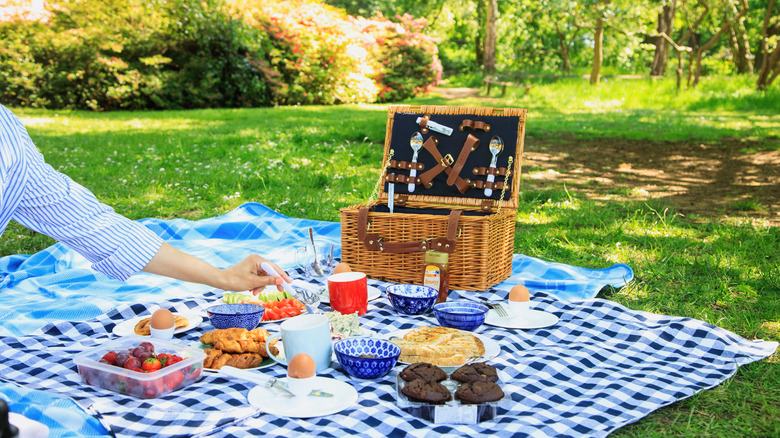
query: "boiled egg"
301, 366
162, 319
341, 267
519, 293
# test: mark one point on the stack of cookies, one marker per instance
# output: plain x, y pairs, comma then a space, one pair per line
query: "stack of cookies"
476, 383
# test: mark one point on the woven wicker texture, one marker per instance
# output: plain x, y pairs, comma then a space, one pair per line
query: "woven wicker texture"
485, 242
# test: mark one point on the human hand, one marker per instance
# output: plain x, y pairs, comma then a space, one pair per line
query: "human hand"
248, 275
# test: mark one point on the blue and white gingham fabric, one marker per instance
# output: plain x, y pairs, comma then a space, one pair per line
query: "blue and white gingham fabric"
600, 367
57, 284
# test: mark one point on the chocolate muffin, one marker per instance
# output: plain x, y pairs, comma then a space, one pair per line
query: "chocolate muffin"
425, 371
426, 391
479, 391
475, 371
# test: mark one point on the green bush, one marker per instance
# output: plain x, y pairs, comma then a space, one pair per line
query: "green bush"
170, 54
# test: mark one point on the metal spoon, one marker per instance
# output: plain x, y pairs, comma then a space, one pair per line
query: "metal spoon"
316, 265
496, 146
416, 143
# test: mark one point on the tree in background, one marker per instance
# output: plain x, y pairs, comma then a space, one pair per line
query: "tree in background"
665, 27
770, 59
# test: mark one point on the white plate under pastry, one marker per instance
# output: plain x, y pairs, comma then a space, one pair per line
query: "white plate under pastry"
373, 294
492, 349
127, 327
267, 362
283, 404
530, 319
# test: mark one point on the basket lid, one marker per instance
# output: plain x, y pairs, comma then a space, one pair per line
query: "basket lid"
482, 123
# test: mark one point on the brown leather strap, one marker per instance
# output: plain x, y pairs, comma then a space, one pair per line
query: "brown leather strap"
443, 163
393, 178
482, 171
479, 184
424, 123
471, 144
375, 242
470, 124
407, 165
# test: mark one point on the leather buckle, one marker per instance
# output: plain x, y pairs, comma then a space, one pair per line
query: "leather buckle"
447, 160
381, 245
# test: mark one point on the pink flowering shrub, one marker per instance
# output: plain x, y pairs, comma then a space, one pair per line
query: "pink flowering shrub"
115, 54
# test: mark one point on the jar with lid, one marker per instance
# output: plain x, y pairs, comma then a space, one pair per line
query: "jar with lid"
436, 274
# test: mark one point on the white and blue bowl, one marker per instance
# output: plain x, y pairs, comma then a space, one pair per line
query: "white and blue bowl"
224, 316
411, 299
366, 358
462, 315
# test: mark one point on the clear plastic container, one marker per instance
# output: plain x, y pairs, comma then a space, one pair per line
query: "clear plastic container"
451, 412
142, 385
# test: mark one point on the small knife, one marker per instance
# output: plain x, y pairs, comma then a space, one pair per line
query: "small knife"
228, 371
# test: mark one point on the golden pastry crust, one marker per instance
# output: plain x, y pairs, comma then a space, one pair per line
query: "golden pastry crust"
239, 340
440, 346
144, 326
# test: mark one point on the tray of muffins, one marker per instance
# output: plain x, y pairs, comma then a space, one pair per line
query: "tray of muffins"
469, 395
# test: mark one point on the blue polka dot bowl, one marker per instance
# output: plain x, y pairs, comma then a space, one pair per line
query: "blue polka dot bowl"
411, 299
224, 316
462, 315
366, 358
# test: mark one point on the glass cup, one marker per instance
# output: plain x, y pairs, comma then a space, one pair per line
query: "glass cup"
305, 258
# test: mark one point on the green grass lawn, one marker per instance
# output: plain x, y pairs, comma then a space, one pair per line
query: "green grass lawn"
311, 161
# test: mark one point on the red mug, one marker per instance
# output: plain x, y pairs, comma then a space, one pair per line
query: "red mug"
348, 292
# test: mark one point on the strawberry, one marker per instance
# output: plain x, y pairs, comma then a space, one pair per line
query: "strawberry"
164, 359
153, 388
172, 359
174, 379
151, 365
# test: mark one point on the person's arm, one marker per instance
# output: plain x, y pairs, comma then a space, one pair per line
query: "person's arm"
246, 275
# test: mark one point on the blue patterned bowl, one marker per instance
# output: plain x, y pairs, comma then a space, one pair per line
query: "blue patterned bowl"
366, 358
224, 316
462, 315
411, 299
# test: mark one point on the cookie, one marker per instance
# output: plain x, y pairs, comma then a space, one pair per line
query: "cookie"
426, 391
479, 391
475, 371
425, 371
144, 326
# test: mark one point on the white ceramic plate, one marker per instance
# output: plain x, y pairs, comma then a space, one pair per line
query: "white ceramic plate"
530, 319
283, 404
492, 349
126, 328
373, 294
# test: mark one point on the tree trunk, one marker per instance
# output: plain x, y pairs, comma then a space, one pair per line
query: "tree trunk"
765, 67
564, 50
665, 25
598, 36
479, 40
769, 70
490, 36
715, 39
740, 46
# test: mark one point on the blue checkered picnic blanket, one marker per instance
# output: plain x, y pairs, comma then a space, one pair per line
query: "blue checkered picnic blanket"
57, 284
600, 367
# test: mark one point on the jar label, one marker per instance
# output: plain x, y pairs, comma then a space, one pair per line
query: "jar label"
432, 277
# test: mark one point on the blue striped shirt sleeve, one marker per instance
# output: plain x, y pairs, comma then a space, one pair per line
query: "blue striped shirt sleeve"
53, 204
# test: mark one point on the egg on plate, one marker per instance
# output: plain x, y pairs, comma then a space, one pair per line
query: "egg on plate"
301, 366
519, 293
162, 319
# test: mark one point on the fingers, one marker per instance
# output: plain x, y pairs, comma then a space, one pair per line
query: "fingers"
266, 281
279, 271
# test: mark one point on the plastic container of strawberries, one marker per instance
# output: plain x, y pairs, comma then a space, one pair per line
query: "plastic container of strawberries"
153, 384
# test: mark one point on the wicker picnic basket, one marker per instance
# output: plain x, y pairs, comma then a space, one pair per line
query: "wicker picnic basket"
449, 208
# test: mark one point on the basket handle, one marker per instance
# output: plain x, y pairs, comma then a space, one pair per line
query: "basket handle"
375, 242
